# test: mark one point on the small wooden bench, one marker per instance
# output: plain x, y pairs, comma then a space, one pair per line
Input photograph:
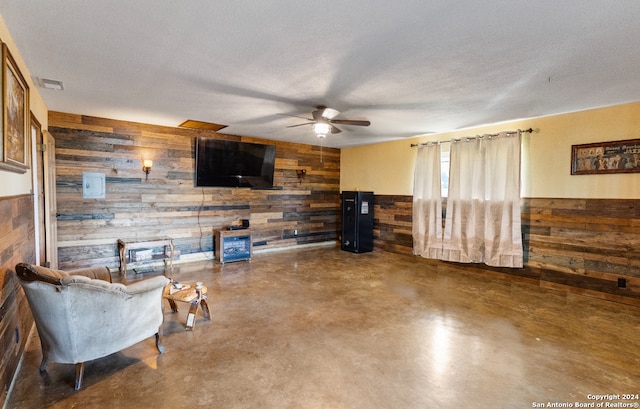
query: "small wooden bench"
124, 246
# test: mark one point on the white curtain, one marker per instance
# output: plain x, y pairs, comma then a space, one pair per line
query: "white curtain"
483, 207
427, 203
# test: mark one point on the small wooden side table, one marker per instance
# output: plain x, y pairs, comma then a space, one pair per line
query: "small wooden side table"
190, 295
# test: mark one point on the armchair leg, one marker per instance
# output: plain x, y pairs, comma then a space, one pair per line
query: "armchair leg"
159, 344
79, 375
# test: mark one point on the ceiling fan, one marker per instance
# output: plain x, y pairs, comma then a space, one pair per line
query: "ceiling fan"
323, 121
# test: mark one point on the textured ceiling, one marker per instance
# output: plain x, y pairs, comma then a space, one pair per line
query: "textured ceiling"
410, 67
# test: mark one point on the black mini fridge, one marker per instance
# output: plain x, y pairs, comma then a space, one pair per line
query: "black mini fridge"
357, 222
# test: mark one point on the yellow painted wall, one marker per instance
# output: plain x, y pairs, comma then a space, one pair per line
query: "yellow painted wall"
20, 183
387, 168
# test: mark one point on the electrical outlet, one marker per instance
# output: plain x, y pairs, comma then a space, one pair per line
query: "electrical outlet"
622, 282
295, 232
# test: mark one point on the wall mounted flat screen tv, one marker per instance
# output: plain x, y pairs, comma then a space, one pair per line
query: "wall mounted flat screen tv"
221, 163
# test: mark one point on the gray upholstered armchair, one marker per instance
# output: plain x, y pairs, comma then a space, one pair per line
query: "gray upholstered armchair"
80, 315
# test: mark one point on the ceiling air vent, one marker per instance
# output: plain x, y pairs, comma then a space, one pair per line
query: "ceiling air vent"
50, 84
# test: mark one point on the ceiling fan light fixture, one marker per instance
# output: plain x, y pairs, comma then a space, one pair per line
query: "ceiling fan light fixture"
321, 129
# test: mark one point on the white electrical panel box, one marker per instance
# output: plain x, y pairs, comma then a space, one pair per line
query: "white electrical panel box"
93, 185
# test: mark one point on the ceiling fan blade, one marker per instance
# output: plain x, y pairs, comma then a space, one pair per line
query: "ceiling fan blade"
350, 122
296, 116
335, 130
295, 126
330, 113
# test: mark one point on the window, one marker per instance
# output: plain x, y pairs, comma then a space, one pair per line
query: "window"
444, 173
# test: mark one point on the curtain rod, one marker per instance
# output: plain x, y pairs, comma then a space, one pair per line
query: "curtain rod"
530, 130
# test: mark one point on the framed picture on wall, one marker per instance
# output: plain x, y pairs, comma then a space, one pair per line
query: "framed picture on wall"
1, 120
606, 157
15, 116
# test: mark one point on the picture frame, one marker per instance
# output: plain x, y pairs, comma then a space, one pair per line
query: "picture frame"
1, 116
15, 116
621, 156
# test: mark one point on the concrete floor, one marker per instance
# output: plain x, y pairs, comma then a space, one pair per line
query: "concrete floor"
323, 328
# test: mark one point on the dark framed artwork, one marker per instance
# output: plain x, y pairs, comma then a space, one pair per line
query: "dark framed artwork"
606, 157
15, 116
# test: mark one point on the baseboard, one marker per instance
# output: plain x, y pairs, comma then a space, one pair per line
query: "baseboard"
209, 256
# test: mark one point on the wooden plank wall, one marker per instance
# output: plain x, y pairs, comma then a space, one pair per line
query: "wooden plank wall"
577, 245
17, 244
168, 204
393, 217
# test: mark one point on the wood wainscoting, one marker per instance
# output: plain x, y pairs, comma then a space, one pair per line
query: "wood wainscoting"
301, 210
17, 245
583, 246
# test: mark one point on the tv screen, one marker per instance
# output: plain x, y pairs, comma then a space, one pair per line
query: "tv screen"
221, 163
